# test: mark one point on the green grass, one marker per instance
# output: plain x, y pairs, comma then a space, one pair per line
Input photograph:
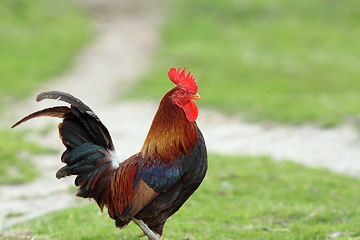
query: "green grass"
38, 39
241, 198
292, 62
14, 168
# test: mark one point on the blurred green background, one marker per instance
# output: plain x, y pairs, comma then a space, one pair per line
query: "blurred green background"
38, 39
292, 62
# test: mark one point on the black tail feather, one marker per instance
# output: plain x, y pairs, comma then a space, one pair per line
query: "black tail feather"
62, 96
59, 112
83, 114
87, 143
80, 152
94, 127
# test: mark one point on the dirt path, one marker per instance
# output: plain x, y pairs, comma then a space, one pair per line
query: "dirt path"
337, 149
107, 67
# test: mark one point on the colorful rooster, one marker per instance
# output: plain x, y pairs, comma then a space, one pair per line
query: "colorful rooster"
153, 184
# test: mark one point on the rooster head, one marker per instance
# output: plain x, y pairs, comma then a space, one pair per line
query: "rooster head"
185, 92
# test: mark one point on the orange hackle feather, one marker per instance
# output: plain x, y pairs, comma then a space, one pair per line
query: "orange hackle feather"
170, 134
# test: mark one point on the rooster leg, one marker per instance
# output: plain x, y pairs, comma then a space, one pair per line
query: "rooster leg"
147, 231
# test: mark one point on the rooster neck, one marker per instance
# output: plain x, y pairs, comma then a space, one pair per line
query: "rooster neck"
170, 134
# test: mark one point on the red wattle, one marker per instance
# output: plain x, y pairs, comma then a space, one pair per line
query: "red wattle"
191, 111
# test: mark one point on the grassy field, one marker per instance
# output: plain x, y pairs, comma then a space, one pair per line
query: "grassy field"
13, 166
292, 62
37, 41
241, 198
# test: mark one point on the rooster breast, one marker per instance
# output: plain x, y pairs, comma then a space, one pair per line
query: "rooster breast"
191, 169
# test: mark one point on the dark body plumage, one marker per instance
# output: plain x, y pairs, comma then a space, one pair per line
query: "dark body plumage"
149, 186
180, 179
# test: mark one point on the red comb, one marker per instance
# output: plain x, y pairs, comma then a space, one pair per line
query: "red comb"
179, 78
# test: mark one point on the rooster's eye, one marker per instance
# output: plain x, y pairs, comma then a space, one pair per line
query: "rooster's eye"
182, 92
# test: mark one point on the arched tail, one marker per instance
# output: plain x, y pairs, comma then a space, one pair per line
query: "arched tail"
88, 146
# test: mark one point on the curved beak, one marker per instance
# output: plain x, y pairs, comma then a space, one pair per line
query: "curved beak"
196, 96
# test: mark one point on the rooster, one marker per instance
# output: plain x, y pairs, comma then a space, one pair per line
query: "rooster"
151, 185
